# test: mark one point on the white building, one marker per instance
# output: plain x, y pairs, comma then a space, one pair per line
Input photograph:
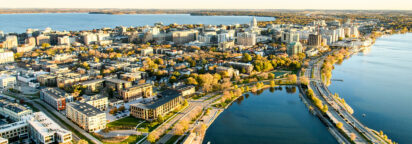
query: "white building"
6, 57
7, 81
44, 130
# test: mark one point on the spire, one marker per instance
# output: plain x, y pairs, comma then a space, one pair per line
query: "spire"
254, 22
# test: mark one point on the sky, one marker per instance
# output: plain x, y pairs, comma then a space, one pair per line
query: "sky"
213, 4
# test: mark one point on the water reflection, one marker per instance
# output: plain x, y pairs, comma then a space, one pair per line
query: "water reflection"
240, 99
272, 89
291, 89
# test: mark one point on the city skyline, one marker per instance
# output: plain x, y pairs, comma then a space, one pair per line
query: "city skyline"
214, 4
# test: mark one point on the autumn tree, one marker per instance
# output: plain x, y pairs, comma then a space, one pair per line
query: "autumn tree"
82, 141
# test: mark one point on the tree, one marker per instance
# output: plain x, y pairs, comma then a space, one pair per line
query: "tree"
82, 141
352, 136
113, 110
272, 83
173, 79
191, 81
160, 119
185, 103
121, 108
153, 136
246, 57
339, 125
271, 76
45, 45
324, 108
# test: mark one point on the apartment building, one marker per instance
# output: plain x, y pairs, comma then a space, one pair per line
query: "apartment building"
56, 97
86, 116
93, 85
45, 131
118, 84
98, 101
135, 92
14, 111
7, 81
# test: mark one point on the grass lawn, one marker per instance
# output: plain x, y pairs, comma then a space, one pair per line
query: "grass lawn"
127, 122
130, 140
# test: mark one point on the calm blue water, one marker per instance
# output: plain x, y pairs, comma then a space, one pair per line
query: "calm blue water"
378, 84
268, 118
83, 21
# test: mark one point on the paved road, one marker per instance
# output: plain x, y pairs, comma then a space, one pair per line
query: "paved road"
349, 118
93, 139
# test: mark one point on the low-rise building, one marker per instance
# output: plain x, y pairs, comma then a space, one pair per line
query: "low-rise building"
45, 131
186, 90
15, 130
93, 85
167, 101
135, 92
15, 111
56, 97
228, 71
243, 67
118, 84
86, 116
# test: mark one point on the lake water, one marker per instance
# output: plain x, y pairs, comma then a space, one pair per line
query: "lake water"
273, 116
83, 21
377, 83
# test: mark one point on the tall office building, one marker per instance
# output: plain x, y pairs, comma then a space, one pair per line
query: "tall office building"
10, 42
315, 39
246, 39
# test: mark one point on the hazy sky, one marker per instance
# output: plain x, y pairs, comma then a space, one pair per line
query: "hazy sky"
212, 4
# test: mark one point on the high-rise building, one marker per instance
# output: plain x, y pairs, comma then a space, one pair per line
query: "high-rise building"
10, 42
65, 40
288, 37
6, 57
182, 37
294, 48
246, 39
315, 39
42, 39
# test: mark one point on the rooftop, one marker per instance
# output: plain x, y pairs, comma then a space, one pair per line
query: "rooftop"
45, 126
165, 97
85, 108
55, 92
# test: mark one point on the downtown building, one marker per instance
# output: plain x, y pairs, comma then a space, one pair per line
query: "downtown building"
6, 57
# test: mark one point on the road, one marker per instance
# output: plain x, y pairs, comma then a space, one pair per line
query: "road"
349, 118
203, 102
36, 103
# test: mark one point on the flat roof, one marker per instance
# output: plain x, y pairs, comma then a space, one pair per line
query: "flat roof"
85, 108
165, 97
